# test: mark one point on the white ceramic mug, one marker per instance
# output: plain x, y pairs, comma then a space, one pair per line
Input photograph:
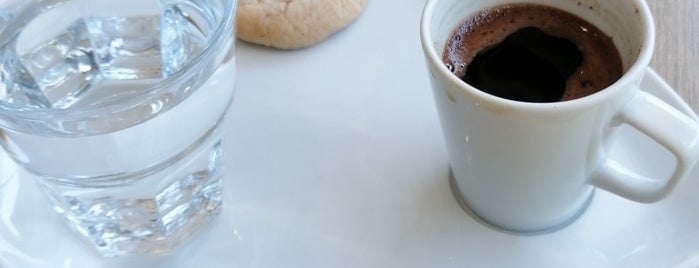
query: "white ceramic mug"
530, 167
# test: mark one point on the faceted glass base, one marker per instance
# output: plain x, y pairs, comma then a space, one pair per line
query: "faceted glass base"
150, 215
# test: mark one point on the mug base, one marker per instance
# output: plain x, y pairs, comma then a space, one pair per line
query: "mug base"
460, 200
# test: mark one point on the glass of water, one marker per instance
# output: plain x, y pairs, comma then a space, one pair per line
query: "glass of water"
116, 108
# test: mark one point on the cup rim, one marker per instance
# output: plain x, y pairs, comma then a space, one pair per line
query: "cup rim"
631, 75
13, 112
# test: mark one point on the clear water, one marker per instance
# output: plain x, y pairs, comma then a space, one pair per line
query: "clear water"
142, 187
95, 50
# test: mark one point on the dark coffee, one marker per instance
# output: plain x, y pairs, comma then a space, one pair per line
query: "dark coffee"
532, 53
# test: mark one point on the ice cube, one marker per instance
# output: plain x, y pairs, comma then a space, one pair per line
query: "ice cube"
56, 73
11, 70
75, 63
127, 48
180, 38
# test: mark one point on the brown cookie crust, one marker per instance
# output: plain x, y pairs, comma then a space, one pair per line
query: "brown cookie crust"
292, 24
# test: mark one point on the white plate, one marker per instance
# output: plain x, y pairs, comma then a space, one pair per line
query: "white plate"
335, 158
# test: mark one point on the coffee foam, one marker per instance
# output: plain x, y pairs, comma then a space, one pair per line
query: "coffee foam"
601, 65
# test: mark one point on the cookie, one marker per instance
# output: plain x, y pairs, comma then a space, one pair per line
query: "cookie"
292, 24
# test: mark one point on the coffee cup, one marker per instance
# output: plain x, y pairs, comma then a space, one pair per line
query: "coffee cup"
533, 167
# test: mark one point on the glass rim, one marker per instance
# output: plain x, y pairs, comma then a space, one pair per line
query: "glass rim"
211, 47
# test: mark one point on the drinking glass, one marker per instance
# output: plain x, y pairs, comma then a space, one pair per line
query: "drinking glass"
117, 110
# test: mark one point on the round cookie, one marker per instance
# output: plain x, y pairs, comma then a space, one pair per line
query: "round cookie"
292, 24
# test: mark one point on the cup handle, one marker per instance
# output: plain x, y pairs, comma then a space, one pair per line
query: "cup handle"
667, 126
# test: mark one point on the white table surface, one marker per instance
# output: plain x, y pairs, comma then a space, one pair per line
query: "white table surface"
335, 158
